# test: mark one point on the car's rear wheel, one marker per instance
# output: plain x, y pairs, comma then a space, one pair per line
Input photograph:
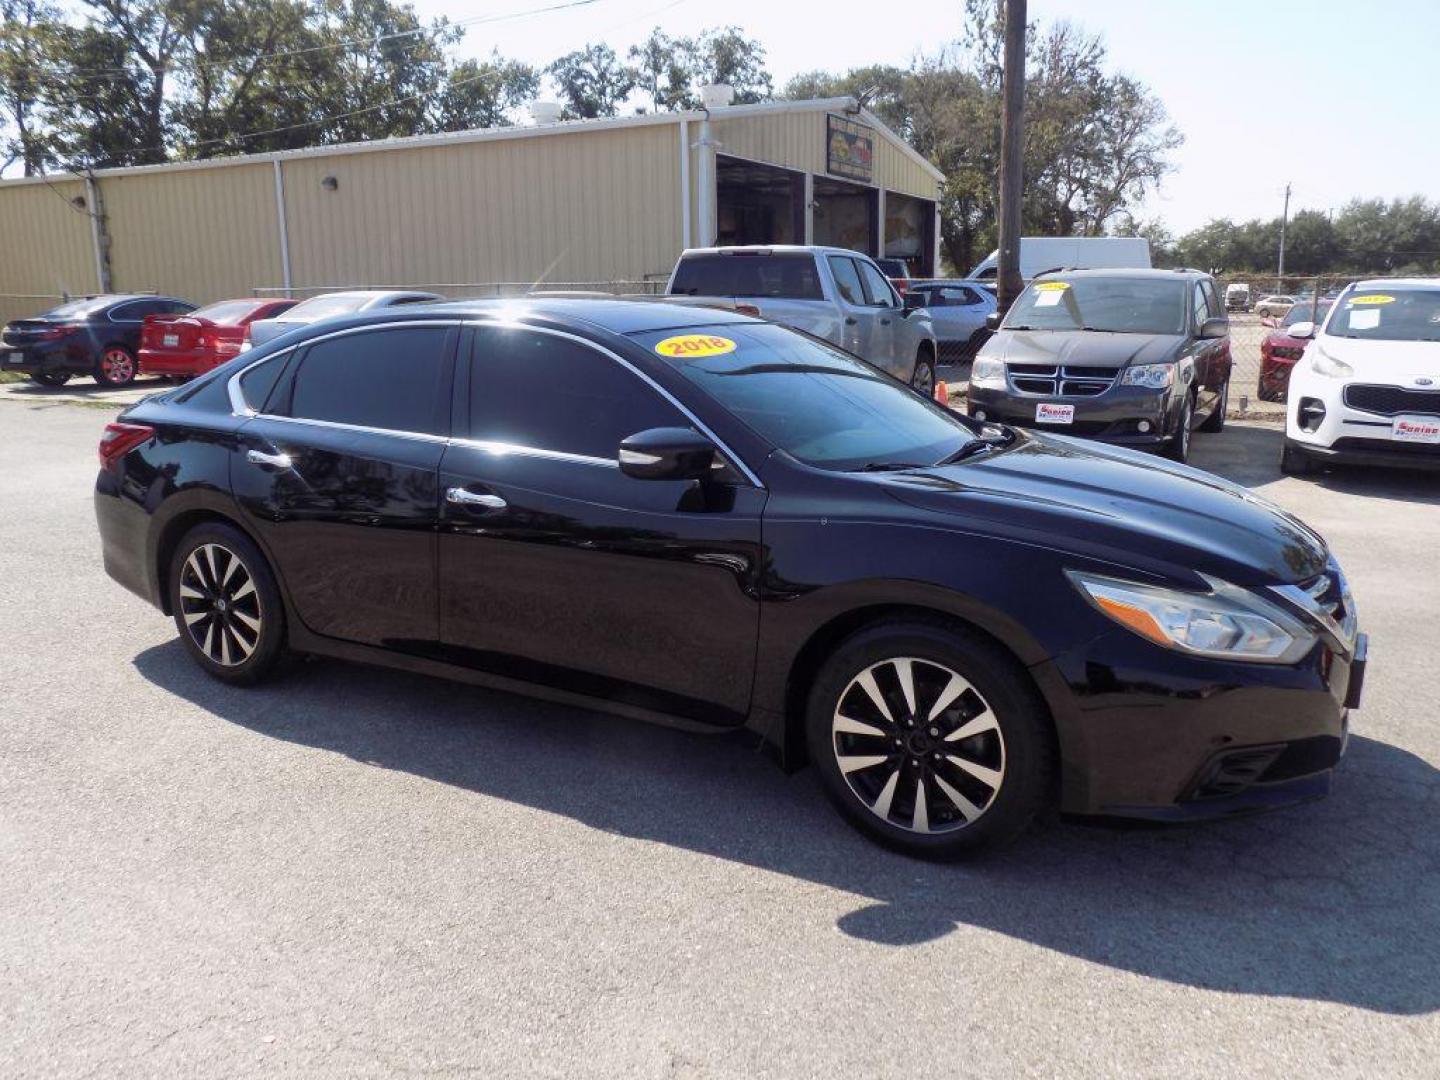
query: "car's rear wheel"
1216, 420
1295, 462
1178, 448
923, 377
116, 366
50, 378
930, 739
227, 604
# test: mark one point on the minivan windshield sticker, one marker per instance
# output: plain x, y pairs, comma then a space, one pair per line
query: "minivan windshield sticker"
1364, 319
1050, 293
1052, 286
1372, 298
688, 346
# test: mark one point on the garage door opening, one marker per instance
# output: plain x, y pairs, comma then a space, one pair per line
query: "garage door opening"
845, 215
910, 232
758, 204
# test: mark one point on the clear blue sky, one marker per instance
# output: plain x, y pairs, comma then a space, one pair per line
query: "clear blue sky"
1336, 97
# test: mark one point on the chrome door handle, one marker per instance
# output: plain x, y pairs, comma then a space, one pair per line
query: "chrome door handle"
461, 497
271, 461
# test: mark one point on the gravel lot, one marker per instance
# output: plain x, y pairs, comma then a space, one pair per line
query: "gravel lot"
362, 873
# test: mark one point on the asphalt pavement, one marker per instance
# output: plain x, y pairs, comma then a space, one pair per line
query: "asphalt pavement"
359, 873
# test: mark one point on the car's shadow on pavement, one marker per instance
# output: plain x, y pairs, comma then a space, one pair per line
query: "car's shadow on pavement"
1336, 901
1249, 454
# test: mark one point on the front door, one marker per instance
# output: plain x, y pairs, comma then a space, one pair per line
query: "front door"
557, 568
885, 309
338, 476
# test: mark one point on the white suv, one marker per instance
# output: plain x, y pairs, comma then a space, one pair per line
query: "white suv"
1367, 389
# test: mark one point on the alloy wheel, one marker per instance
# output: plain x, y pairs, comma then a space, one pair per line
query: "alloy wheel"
117, 366
924, 377
220, 605
918, 745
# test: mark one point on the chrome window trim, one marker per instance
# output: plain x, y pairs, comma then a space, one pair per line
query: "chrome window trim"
239, 407
730, 455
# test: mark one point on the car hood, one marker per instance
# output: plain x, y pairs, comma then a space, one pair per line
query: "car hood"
1118, 506
1390, 361
1083, 348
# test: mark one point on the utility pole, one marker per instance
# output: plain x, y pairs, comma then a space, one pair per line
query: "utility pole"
1284, 220
1012, 155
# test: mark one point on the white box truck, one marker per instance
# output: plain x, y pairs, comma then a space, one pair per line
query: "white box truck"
1039, 254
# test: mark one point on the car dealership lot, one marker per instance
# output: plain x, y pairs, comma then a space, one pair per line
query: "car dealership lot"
357, 872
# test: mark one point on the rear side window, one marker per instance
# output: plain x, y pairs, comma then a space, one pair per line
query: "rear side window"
391, 379
847, 280
258, 382
788, 276
551, 393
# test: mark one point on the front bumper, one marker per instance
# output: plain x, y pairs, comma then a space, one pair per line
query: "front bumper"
1347, 435
1147, 732
1114, 416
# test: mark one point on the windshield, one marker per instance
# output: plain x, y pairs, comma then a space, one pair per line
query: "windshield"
821, 405
1302, 313
1125, 305
78, 309
322, 307
1387, 314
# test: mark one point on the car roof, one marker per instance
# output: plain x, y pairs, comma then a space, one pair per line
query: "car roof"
1390, 283
1126, 272
619, 316
778, 249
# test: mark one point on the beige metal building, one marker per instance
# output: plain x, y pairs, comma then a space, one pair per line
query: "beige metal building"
570, 204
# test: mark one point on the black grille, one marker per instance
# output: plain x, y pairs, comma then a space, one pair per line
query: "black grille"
1391, 400
1047, 380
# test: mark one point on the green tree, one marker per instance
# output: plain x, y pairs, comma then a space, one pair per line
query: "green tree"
26, 36
482, 93
727, 56
592, 82
665, 71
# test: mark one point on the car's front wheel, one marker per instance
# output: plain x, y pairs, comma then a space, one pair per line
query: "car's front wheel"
1178, 448
930, 739
226, 604
923, 378
1295, 462
116, 366
1216, 420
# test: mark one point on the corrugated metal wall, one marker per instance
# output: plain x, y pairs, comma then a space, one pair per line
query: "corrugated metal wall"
204, 234
582, 206
45, 247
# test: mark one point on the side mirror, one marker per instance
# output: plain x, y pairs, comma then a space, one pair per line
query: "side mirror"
668, 454
992, 321
914, 301
1270, 321
1301, 330
1215, 327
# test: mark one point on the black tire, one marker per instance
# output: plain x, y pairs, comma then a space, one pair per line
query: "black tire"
923, 377
1178, 448
52, 379
1295, 462
247, 619
1020, 733
116, 366
1215, 422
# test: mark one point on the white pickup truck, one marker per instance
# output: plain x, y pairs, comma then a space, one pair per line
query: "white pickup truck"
833, 293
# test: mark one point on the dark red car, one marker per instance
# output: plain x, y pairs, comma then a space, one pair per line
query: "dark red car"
193, 344
1279, 351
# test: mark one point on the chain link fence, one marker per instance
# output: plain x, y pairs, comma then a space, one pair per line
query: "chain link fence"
487, 290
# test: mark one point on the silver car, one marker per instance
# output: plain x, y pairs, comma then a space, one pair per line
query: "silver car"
329, 305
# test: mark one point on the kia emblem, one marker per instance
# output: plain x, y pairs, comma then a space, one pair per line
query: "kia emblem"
1423, 381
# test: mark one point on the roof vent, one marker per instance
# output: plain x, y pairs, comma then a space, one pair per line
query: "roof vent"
545, 112
716, 95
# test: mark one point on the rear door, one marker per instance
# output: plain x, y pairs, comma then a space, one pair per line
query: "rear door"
558, 569
338, 476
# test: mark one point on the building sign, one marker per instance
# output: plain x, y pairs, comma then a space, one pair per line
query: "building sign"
849, 148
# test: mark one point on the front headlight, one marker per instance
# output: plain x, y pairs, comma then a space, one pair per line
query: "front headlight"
1322, 363
1153, 376
987, 371
1227, 623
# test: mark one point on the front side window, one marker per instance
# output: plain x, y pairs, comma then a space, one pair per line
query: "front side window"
1386, 313
551, 393
877, 290
1121, 304
391, 379
847, 280
818, 404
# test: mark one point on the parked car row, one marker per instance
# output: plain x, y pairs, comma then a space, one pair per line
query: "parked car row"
114, 338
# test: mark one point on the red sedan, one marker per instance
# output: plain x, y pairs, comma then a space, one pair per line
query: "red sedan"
1279, 351
193, 344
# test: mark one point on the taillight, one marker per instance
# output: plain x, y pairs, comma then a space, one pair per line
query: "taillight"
119, 439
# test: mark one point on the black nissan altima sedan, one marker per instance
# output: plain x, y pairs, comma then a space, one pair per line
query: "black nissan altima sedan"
701, 518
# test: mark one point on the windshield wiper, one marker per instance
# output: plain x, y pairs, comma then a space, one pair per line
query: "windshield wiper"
981, 444
888, 466
1099, 330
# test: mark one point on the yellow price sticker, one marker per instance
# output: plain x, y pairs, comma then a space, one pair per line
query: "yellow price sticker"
694, 346
1373, 298
1052, 286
